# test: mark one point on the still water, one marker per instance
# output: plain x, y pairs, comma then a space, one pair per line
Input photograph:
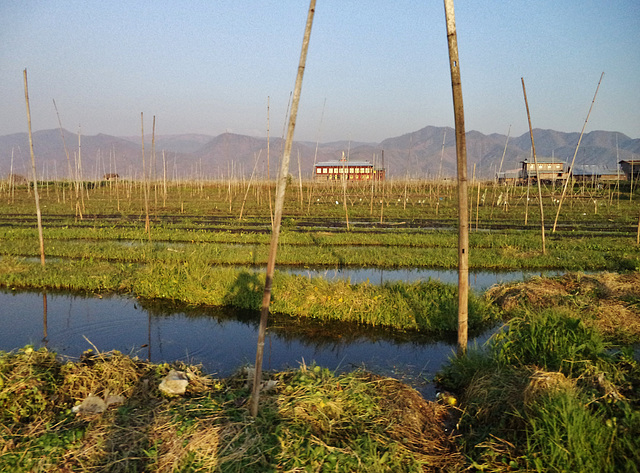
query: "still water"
221, 339
479, 281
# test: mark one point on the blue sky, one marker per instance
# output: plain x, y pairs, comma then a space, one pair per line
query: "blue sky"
377, 69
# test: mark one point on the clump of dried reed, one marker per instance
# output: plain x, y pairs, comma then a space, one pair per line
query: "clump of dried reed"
608, 301
311, 418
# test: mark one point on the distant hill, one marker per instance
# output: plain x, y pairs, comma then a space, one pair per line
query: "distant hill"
419, 154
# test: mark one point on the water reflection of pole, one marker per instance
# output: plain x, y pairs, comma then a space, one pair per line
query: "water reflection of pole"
44, 318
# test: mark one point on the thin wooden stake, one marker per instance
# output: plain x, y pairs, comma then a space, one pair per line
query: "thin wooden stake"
566, 183
300, 181
478, 206
535, 162
268, 164
461, 153
147, 223
33, 171
281, 186
246, 194
638, 233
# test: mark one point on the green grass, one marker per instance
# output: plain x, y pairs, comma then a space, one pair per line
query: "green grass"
548, 394
429, 307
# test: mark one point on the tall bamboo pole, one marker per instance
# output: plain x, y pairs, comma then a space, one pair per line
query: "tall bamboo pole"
268, 165
535, 163
152, 169
282, 184
300, 182
33, 171
315, 159
638, 232
64, 144
147, 223
566, 183
461, 153
246, 194
164, 180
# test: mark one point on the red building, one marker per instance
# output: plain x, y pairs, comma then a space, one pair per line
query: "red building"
349, 170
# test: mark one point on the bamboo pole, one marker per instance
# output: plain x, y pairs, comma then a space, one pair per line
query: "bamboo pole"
535, 162
152, 170
147, 223
64, 144
344, 177
244, 200
315, 160
566, 183
504, 151
478, 206
164, 180
638, 232
279, 203
461, 153
300, 182
33, 171
268, 164
12, 178
526, 205
80, 208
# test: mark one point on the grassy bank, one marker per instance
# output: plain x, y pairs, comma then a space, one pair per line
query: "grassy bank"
426, 306
558, 389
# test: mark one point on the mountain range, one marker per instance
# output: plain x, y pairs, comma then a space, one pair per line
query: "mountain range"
426, 153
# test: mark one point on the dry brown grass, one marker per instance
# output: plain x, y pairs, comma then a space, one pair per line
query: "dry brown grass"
609, 301
418, 424
542, 383
206, 429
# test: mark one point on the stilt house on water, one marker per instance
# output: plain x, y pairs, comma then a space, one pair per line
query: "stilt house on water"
349, 170
596, 173
631, 168
549, 170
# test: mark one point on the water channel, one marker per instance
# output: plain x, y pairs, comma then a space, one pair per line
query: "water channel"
220, 339
479, 281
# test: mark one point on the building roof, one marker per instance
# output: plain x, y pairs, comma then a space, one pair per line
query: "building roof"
593, 170
510, 174
344, 163
544, 161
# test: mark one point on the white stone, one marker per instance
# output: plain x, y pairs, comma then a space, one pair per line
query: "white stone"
175, 383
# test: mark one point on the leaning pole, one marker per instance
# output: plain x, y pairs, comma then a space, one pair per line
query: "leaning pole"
461, 153
280, 188
33, 172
